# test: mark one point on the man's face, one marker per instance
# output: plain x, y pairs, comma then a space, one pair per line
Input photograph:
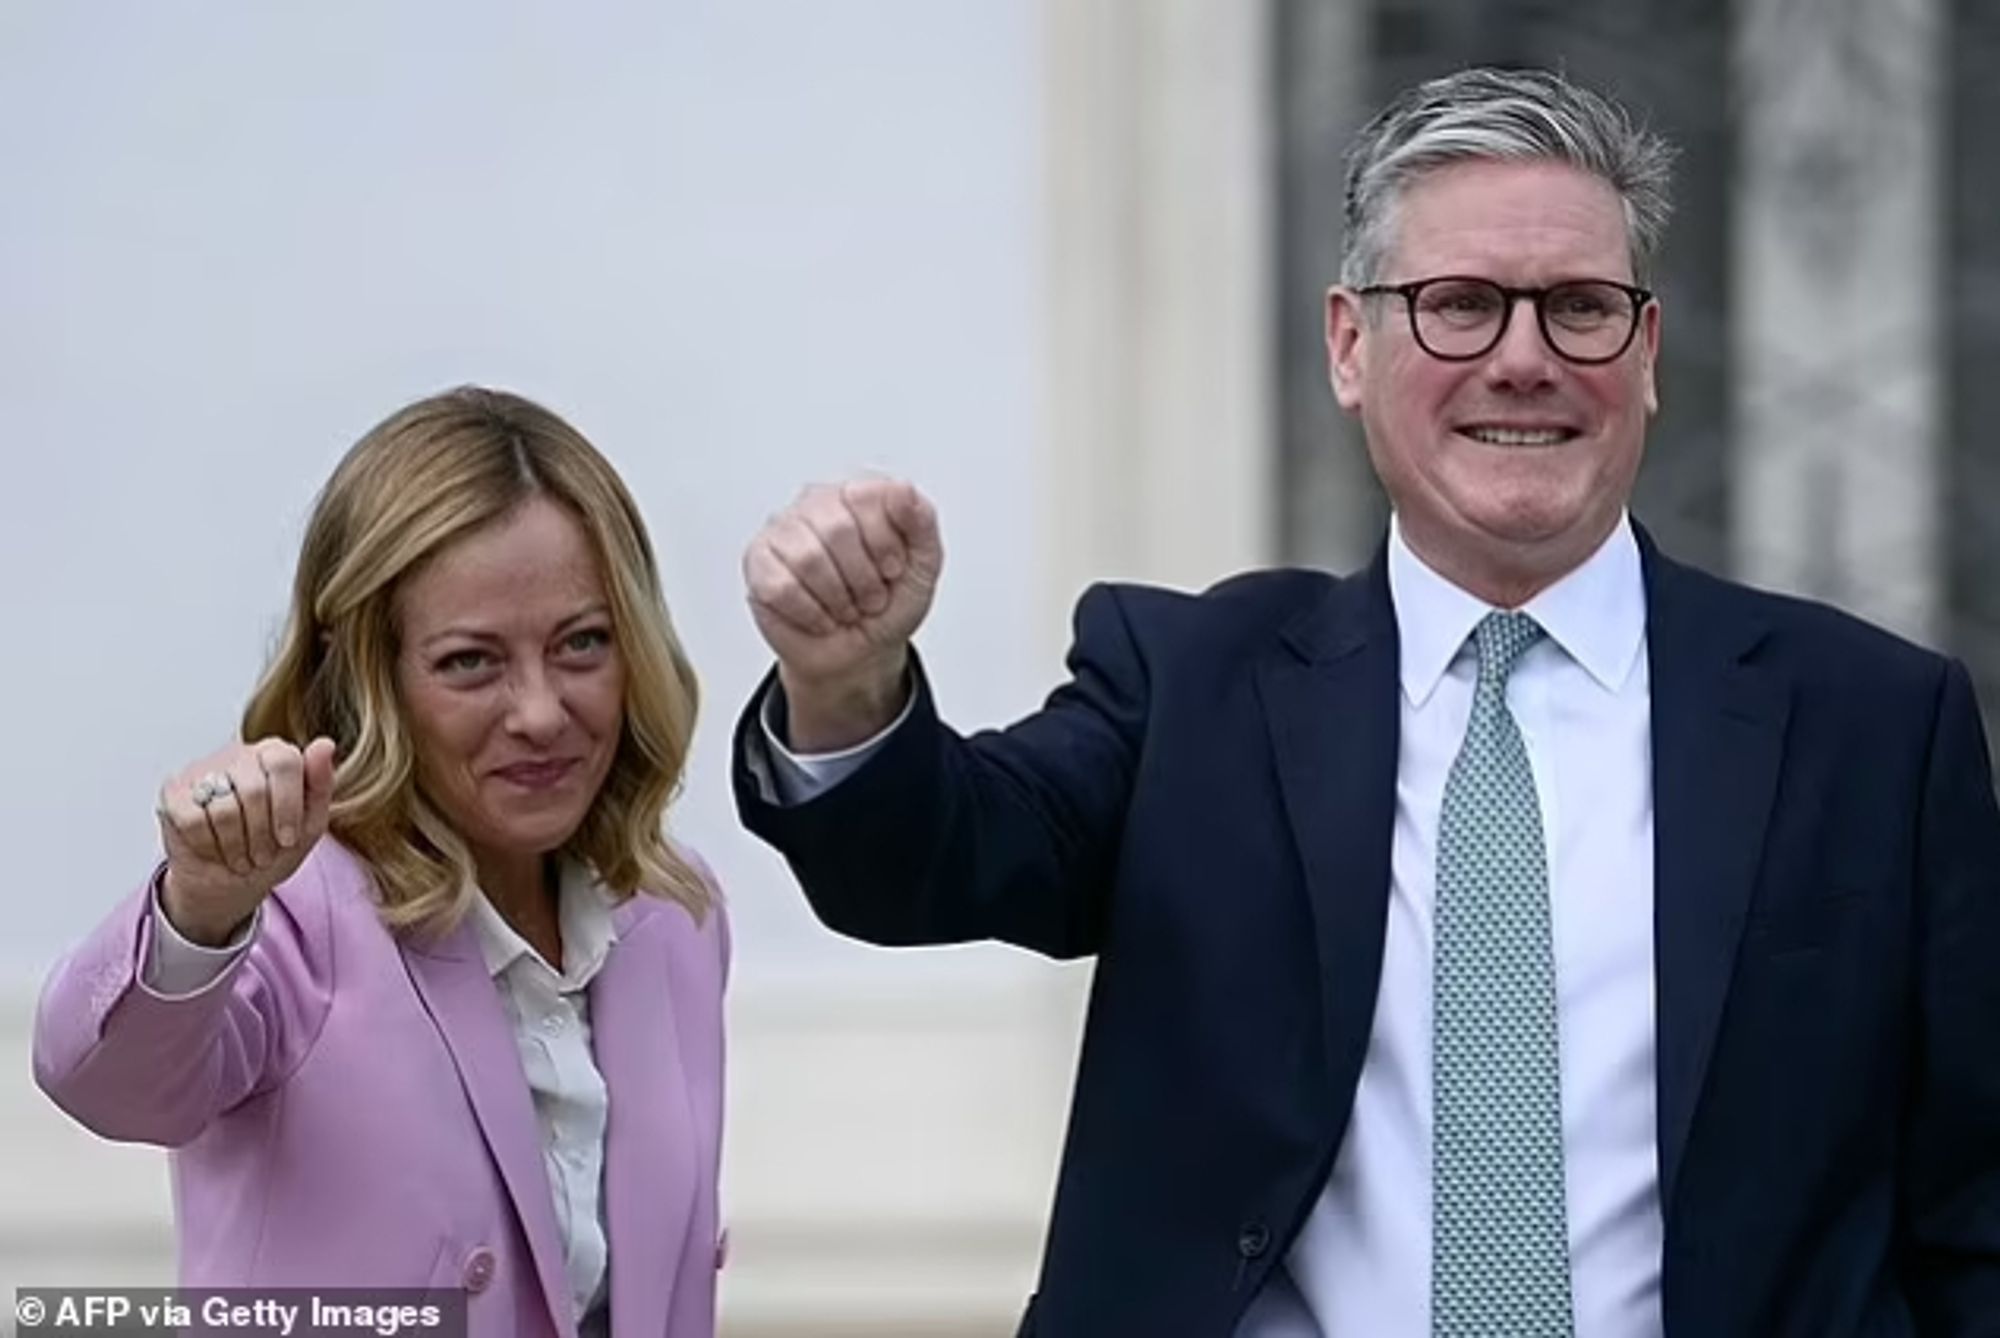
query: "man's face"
1508, 470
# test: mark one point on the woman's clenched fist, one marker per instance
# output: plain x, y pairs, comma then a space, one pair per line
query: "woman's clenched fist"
235, 825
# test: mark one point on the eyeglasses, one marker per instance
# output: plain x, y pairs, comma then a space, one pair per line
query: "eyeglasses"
1457, 318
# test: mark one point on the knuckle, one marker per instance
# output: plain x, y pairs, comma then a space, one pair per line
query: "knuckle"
806, 612
861, 495
808, 499
796, 603
846, 532
762, 563
814, 562
789, 543
277, 755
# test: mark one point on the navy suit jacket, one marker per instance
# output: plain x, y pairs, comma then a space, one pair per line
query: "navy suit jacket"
1206, 806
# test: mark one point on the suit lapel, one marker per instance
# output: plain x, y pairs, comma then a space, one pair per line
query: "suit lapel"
1330, 702
1718, 736
649, 1156
452, 979
1329, 696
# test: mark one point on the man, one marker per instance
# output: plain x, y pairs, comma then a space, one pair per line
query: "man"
1526, 936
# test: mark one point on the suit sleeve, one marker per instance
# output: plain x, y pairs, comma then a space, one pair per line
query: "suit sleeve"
1010, 835
137, 1066
1952, 1180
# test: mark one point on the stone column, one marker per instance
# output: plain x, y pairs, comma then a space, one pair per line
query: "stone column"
1838, 386
1158, 443
1158, 311
1332, 509
1972, 283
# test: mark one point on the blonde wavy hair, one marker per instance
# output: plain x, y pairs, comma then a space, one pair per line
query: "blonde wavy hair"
426, 476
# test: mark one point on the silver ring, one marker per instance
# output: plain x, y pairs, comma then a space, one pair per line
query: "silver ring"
211, 788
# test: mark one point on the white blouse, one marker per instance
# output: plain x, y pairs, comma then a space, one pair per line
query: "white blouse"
550, 1014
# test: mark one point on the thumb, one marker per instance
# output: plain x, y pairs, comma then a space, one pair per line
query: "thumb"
319, 788
916, 520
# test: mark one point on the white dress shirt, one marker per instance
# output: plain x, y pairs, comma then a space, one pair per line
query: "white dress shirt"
1582, 698
549, 1014
1361, 1267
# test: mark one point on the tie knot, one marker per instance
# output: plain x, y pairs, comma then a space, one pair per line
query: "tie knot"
1502, 639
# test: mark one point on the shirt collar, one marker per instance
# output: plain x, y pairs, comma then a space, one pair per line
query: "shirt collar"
1596, 614
583, 909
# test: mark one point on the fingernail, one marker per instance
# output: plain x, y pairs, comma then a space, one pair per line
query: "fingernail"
892, 567
286, 836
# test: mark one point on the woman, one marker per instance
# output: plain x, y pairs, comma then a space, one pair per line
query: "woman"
472, 1038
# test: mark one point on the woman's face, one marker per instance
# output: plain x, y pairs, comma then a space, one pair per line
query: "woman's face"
511, 679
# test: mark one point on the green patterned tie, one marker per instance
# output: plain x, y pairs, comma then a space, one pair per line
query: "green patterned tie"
1499, 1228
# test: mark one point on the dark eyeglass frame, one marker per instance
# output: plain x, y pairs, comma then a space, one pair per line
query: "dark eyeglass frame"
1510, 298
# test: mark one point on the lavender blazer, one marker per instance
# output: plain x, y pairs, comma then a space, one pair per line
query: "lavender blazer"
348, 1109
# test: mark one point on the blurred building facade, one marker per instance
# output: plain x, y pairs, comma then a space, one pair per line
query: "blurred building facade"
1832, 290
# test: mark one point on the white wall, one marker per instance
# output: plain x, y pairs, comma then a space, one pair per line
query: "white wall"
742, 245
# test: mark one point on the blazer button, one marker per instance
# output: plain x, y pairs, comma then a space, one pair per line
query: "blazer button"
478, 1270
1253, 1240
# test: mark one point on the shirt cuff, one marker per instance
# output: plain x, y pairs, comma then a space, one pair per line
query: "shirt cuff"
178, 969
788, 778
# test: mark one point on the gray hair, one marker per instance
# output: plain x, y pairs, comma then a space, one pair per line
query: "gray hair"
1516, 115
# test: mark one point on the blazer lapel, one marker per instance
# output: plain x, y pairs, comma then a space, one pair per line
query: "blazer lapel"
1718, 737
1329, 697
452, 979
649, 1156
